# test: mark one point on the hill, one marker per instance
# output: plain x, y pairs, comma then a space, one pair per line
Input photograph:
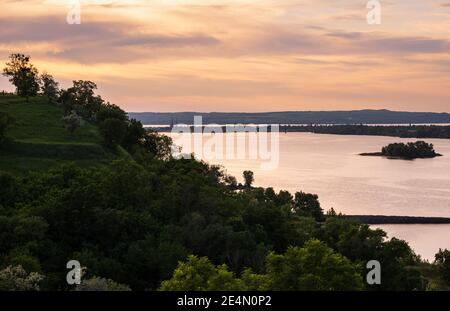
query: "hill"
296, 117
38, 139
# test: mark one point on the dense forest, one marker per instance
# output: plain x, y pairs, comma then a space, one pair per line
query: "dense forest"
138, 219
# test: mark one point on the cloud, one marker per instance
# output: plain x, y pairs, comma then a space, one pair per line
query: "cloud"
167, 41
95, 41
272, 53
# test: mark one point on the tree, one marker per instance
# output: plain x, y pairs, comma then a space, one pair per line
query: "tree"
248, 178
231, 181
442, 260
312, 267
113, 131
135, 134
72, 122
81, 98
199, 274
160, 146
15, 278
49, 87
23, 75
411, 150
110, 111
5, 123
307, 204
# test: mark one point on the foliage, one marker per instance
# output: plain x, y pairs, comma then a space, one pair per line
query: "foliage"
248, 178
72, 122
361, 244
134, 135
443, 262
22, 74
308, 204
6, 122
82, 99
101, 284
49, 87
419, 149
109, 111
17, 279
113, 132
199, 274
312, 267
160, 146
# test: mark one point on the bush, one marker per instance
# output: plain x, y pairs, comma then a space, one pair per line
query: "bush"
5, 124
113, 131
15, 278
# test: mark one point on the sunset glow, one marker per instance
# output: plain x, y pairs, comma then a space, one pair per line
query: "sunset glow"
240, 55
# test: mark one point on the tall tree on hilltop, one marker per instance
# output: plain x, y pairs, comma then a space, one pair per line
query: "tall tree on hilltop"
23, 75
49, 87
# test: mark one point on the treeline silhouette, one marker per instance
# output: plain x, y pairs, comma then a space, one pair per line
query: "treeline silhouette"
382, 219
411, 131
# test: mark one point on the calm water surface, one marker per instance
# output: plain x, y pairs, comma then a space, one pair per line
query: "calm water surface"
329, 165
424, 239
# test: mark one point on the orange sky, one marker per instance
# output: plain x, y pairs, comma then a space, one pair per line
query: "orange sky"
241, 55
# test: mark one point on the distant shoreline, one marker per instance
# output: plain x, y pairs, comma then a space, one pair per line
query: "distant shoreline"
398, 220
401, 131
366, 116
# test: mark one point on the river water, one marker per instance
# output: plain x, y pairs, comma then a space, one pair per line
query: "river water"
330, 166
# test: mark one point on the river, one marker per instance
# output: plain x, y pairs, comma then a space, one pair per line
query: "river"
330, 166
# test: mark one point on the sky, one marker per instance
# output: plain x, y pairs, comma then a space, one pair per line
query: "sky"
240, 55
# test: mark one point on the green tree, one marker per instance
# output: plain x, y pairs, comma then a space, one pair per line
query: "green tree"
113, 131
134, 136
110, 111
15, 278
312, 267
158, 145
308, 204
248, 178
23, 75
72, 122
199, 274
81, 97
442, 260
49, 87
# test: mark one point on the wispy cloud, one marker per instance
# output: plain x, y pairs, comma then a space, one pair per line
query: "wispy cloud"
241, 54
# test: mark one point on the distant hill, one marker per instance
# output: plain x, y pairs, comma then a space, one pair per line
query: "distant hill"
296, 117
38, 139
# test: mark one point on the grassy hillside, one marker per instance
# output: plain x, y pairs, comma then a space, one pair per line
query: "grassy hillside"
38, 139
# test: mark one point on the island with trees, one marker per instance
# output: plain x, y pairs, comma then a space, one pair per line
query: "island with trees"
406, 151
80, 180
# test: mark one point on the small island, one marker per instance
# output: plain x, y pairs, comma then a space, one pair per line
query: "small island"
408, 151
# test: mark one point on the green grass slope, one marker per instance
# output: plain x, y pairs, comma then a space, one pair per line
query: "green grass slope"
38, 139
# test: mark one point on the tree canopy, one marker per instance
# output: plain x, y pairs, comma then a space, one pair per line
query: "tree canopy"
22, 74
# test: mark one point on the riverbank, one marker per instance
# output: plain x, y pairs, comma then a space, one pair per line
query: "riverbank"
380, 154
396, 220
